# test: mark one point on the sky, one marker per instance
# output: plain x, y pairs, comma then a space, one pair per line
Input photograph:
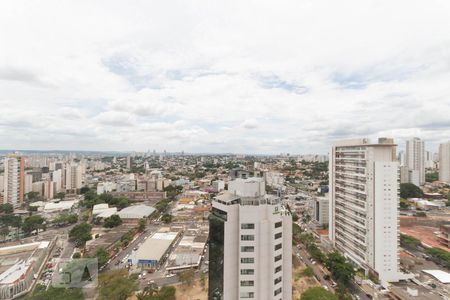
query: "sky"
262, 77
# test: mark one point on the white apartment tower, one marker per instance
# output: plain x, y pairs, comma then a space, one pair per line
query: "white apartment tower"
14, 180
444, 162
415, 160
364, 203
73, 176
250, 247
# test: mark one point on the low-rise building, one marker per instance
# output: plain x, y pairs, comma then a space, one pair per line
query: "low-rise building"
444, 235
18, 266
154, 250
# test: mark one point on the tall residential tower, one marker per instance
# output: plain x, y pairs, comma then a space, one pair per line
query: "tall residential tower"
14, 180
444, 162
250, 248
415, 160
364, 203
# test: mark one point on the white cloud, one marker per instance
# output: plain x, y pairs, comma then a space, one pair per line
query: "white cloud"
297, 73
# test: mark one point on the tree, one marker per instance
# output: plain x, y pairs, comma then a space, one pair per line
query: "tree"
430, 177
166, 218
33, 196
60, 195
84, 190
80, 234
141, 225
308, 272
63, 219
341, 270
55, 293
112, 221
410, 190
102, 256
6, 208
33, 223
115, 285
151, 293
76, 255
318, 293
187, 277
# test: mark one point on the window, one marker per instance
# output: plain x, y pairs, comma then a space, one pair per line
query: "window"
277, 291
247, 272
247, 283
277, 280
278, 257
277, 247
277, 269
247, 295
278, 235
247, 237
247, 249
247, 226
247, 260
278, 224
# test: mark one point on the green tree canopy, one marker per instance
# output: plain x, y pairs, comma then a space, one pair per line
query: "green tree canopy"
187, 277
115, 285
102, 256
112, 221
33, 223
341, 270
80, 234
55, 293
6, 208
410, 190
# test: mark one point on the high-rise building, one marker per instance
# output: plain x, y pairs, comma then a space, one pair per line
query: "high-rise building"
14, 180
56, 176
415, 160
321, 210
129, 162
444, 162
250, 248
364, 200
73, 176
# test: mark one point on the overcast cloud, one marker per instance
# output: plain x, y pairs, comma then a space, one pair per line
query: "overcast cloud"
222, 76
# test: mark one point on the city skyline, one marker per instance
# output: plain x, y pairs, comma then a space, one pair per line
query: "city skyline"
220, 79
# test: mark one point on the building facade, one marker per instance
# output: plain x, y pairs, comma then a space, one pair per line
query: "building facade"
321, 210
364, 200
14, 180
250, 253
73, 177
415, 160
444, 162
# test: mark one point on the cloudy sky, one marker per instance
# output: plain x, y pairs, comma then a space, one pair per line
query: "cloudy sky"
222, 76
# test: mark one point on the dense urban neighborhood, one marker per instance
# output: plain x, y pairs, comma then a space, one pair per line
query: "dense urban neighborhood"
166, 225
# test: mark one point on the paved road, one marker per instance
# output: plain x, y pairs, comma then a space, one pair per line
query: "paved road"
112, 264
319, 274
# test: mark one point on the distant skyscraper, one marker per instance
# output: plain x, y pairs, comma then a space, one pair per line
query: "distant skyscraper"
14, 180
415, 160
444, 162
250, 253
364, 205
129, 162
73, 176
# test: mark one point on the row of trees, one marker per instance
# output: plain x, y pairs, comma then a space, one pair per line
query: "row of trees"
91, 198
341, 270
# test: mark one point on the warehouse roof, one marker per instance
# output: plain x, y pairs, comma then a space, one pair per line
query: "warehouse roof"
155, 247
136, 212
